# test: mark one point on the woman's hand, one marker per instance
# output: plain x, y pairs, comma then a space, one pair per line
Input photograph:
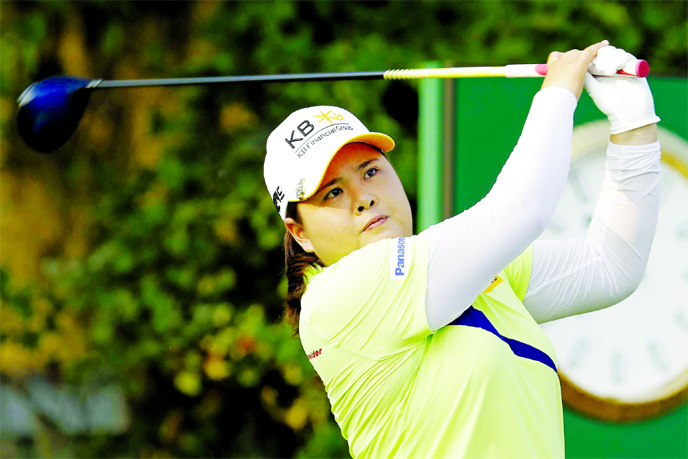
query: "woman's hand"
627, 101
567, 70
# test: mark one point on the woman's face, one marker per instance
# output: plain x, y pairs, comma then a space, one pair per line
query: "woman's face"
360, 200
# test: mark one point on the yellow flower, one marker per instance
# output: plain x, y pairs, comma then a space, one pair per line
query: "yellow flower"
188, 383
49, 344
269, 396
15, 360
236, 116
66, 321
292, 374
222, 315
226, 230
11, 322
216, 368
42, 307
297, 415
36, 323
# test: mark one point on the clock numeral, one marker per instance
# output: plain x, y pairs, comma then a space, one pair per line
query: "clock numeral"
578, 187
618, 368
656, 355
666, 182
555, 226
681, 320
682, 230
578, 352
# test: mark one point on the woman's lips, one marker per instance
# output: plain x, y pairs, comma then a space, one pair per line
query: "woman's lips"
375, 222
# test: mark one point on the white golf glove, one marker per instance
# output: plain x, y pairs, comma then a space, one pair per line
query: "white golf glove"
627, 101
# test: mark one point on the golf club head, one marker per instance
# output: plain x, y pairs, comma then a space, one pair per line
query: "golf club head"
50, 110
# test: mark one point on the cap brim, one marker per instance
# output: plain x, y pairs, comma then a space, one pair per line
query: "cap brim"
382, 141
377, 139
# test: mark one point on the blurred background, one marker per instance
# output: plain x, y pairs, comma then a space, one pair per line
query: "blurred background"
141, 265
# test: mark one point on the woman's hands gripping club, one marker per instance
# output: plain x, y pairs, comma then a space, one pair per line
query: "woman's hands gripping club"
567, 70
627, 101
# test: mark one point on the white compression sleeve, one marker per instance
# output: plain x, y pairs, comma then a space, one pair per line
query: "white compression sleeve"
575, 276
468, 250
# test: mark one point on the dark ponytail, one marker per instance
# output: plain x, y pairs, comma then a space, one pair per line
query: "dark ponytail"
297, 261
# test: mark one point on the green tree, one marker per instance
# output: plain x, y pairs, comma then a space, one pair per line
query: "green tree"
162, 270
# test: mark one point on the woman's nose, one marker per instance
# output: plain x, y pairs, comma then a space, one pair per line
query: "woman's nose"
363, 206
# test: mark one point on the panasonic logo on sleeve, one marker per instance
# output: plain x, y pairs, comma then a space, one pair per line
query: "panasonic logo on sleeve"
398, 258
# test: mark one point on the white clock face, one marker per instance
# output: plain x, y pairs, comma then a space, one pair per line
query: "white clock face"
637, 350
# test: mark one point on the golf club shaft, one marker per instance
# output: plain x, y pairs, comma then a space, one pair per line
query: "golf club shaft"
635, 68
285, 78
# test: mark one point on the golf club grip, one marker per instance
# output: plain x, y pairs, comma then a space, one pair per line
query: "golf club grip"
636, 68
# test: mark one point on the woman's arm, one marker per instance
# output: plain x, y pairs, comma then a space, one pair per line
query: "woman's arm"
572, 277
576, 276
468, 250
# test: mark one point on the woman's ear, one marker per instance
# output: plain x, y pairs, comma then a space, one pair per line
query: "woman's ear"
299, 233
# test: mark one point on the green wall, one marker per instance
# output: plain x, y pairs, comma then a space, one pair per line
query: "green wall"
487, 121
490, 115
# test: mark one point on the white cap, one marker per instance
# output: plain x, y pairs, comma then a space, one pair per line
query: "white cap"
300, 149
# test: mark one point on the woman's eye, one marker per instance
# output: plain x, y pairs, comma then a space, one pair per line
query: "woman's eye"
332, 193
372, 171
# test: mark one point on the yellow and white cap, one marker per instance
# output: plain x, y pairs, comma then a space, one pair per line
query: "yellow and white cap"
300, 149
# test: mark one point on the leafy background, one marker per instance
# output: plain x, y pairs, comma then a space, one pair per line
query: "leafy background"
141, 265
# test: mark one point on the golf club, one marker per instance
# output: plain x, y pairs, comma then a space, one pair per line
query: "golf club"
50, 110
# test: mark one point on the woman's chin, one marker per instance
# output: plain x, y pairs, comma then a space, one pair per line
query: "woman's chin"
381, 233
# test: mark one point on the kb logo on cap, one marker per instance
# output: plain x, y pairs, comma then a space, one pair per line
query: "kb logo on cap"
325, 116
306, 127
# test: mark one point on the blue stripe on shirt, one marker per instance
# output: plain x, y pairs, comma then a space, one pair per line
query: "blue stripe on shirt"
475, 318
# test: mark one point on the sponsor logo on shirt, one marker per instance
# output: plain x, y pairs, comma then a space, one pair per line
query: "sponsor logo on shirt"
314, 354
398, 266
495, 282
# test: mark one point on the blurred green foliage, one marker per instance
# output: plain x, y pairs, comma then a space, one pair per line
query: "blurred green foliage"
147, 253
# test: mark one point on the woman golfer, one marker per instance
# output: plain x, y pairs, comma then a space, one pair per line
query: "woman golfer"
429, 345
